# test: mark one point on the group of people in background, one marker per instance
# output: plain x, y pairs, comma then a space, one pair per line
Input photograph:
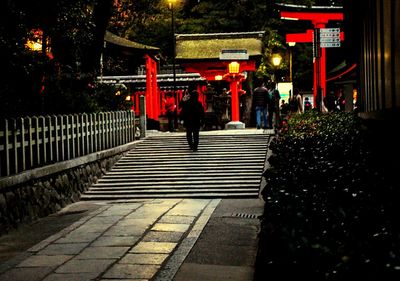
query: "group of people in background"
266, 101
271, 111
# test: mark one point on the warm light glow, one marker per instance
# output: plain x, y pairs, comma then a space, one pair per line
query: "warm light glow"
118, 93
218, 77
35, 41
289, 18
276, 59
234, 67
33, 45
292, 44
128, 98
171, 3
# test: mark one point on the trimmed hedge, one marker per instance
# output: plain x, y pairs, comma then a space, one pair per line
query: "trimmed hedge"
331, 210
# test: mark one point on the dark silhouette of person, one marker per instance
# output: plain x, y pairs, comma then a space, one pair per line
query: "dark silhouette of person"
170, 111
192, 115
329, 101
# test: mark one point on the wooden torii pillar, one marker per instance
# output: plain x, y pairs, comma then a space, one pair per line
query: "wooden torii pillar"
319, 20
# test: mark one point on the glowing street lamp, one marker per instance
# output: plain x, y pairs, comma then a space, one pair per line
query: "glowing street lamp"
276, 60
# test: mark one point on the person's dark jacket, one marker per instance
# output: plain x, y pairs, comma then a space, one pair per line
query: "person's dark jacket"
192, 114
260, 97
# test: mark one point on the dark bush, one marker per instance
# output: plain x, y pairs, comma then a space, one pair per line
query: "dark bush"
330, 206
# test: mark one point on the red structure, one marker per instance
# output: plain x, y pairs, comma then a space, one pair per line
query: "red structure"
204, 54
319, 20
211, 70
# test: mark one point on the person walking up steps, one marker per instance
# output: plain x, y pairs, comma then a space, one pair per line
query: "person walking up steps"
192, 115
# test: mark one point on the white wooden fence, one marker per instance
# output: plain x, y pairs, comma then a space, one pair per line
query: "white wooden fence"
30, 142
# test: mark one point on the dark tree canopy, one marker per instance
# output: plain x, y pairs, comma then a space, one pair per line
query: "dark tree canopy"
73, 31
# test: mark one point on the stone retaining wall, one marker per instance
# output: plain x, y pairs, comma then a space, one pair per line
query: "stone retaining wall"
34, 194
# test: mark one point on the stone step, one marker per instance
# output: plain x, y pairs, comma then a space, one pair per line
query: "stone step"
166, 174
164, 167
174, 195
176, 187
175, 190
154, 182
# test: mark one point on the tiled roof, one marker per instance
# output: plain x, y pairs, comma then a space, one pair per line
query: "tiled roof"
209, 46
115, 39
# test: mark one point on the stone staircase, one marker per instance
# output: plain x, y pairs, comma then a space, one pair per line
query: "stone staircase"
227, 164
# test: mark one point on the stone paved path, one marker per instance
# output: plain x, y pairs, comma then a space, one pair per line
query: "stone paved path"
140, 240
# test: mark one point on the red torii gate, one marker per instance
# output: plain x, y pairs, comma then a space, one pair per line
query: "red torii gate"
319, 20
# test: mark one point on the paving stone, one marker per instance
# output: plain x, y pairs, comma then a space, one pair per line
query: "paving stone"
155, 259
119, 279
78, 237
125, 231
188, 207
63, 249
177, 219
113, 241
102, 252
162, 236
26, 273
92, 227
71, 276
124, 271
103, 220
154, 247
84, 266
136, 222
40, 260
170, 227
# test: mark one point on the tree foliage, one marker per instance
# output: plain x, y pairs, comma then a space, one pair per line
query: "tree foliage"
37, 83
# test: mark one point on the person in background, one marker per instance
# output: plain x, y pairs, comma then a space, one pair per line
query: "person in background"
192, 115
307, 104
170, 111
284, 109
299, 102
260, 101
274, 107
329, 101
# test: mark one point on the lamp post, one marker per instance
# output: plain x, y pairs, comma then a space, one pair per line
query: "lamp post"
276, 61
171, 4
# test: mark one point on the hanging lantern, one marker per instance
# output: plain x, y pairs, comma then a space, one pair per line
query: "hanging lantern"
234, 67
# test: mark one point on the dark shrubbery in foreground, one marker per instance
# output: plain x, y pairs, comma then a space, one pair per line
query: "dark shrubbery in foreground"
331, 210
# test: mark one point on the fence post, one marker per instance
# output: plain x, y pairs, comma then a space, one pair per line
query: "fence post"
23, 160
50, 131
15, 144
143, 123
43, 127
37, 138
83, 135
30, 141
63, 136
56, 137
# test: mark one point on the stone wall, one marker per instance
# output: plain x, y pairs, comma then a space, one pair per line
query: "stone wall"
43, 191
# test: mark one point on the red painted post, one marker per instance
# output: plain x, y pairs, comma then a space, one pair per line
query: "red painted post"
154, 88
234, 99
149, 91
